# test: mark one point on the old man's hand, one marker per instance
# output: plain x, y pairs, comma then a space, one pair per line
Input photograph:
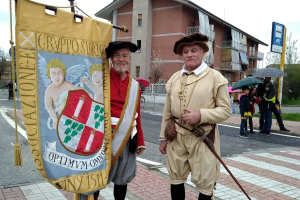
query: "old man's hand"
191, 117
140, 150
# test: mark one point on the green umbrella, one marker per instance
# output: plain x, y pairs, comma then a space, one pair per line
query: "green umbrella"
250, 81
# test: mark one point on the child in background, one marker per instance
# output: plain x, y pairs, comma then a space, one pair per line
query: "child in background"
244, 110
253, 99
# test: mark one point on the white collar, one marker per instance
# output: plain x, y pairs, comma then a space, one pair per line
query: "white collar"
197, 71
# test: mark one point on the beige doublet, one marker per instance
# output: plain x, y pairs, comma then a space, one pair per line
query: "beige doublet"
208, 92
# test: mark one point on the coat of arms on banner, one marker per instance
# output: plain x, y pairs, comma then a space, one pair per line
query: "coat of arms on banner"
63, 79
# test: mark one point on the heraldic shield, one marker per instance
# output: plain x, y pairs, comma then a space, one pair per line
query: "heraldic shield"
81, 124
63, 82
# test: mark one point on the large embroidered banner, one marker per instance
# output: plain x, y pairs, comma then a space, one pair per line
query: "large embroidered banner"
63, 78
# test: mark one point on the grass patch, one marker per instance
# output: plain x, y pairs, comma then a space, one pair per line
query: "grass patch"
286, 116
292, 102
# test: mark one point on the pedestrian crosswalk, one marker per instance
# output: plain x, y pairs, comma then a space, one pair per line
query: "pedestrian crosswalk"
273, 175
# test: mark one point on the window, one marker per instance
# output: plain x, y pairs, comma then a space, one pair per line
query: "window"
139, 44
137, 71
140, 20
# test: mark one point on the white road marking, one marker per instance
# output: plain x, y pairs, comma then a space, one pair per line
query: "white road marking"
18, 99
148, 161
222, 192
267, 166
266, 183
12, 123
257, 130
296, 153
280, 158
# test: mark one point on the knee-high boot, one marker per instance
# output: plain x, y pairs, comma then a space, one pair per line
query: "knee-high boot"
177, 192
204, 197
120, 191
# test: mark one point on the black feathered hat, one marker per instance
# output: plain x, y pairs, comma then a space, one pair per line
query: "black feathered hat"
116, 45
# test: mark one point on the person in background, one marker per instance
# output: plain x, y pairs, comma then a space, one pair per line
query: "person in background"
253, 99
261, 89
269, 98
244, 110
231, 103
10, 86
263, 106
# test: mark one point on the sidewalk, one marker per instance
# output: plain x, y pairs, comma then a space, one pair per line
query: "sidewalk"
267, 176
235, 120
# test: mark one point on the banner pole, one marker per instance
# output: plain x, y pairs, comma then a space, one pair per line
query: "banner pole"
123, 28
280, 81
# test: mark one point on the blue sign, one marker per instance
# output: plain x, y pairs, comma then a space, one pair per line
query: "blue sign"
10, 53
277, 37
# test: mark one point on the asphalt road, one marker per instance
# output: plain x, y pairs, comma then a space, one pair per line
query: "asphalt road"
231, 145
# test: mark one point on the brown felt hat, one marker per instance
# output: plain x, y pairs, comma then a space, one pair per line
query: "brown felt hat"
199, 39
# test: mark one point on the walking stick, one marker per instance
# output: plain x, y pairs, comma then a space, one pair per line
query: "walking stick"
197, 131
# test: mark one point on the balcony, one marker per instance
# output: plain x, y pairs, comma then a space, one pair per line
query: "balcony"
231, 66
234, 45
250, 71
195, 29
256, 55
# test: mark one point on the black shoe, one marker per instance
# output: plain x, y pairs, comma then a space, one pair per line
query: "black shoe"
261, 131
246, 131
267, 133
243, 135
284, 129
251, 132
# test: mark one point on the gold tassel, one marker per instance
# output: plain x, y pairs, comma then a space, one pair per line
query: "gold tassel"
18, 155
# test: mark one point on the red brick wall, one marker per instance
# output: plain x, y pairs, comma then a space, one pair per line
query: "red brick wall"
128, 7
163, 21
166, 46
218, 42
169, 70
163, 3
125, 20
188, 16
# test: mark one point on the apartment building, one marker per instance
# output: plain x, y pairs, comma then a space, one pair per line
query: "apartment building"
155, 25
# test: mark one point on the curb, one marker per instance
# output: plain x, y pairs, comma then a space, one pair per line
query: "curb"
272, 130
12, 116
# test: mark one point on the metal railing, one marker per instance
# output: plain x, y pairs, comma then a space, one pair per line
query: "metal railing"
157, 89
234, 45
196, 29
243, 48
231, 66
256, 55
251, 71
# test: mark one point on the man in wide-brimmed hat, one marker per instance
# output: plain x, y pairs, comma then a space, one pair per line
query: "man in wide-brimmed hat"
198, 97
128, 139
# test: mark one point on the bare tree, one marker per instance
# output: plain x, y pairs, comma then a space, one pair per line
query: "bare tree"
5, 64
157, 68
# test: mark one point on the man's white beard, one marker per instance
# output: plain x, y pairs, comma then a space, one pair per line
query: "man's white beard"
120, 69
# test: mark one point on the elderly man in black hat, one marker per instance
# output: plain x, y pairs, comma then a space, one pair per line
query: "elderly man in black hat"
197, 96
128, 139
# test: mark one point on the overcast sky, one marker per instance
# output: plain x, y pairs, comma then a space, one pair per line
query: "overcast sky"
254, 17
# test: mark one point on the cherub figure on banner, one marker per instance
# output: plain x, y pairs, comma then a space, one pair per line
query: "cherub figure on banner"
96, 75
58, 81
